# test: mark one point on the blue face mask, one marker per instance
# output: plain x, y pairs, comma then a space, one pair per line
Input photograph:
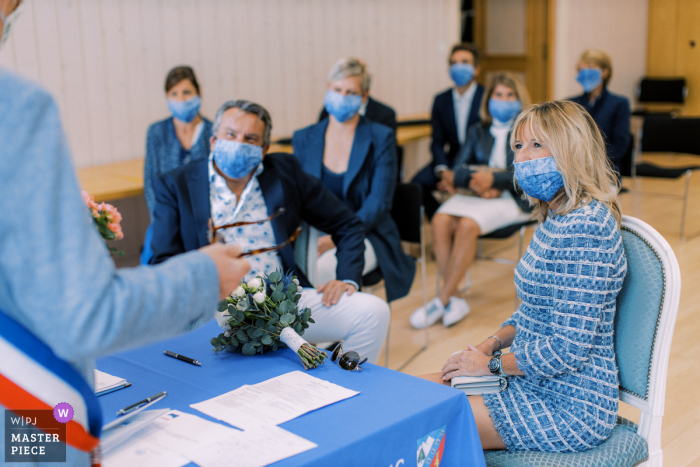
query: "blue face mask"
234, 159
342, 107
461, 73
590, 78
539, 178
504, 111
185, 110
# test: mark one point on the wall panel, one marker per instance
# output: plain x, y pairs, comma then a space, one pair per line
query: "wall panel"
105, 61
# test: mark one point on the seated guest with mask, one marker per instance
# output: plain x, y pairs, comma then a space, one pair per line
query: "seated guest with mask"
371, 108
453, 112
240, 182
484, 165
609, 111
354, 158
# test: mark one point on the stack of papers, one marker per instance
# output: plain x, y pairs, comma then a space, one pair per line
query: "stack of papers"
106, 383
274, 401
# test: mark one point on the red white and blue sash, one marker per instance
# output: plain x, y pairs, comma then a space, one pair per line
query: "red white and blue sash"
32, 377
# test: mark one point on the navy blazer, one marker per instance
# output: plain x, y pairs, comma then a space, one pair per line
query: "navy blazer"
445, 127
163, 154
477, 151
612, 115
368, 190
376, 111
183, 211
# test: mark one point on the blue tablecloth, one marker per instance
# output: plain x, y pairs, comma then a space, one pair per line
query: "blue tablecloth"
383, 425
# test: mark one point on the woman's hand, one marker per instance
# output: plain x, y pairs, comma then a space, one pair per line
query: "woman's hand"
491, 193
470, 362
447, 182
325, 243
481, 182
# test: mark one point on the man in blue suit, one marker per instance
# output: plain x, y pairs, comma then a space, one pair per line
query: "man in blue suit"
453, 112
241, 182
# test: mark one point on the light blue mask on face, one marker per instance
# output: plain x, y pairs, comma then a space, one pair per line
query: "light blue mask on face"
590, 78
185, 110
539, 178
234, 159
342, 107
461, 73
504, 111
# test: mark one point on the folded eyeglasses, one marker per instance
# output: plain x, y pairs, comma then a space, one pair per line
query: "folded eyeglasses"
347, 361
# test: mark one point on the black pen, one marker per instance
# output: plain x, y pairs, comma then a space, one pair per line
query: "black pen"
182, 357
135, 406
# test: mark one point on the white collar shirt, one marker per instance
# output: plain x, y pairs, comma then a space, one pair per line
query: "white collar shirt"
226, 209
463, 104
499, 131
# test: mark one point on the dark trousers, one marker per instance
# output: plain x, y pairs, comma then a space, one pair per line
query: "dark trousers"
427, 180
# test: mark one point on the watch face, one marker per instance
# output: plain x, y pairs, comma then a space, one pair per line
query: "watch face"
493, 365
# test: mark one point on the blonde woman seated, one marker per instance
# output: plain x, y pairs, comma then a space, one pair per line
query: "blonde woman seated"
485, 166
563, 386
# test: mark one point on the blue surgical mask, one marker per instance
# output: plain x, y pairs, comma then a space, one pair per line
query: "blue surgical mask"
539, 178
590, 78
185, 110
342, 107
504, 111
234, 159
461, 73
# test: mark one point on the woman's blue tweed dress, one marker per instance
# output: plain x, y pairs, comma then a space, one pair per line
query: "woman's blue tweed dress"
568, 281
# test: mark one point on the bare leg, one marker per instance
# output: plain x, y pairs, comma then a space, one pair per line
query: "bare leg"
444, 228
461, 256
490, 439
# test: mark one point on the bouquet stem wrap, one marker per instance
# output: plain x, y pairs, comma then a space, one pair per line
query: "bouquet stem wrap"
309, 355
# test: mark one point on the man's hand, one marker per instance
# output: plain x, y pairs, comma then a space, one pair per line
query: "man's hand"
470, 362
230, 266
325, 243
447, 182
481, 181
333, 290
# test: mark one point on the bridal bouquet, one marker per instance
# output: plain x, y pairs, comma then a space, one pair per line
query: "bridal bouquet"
107, 220
263, 314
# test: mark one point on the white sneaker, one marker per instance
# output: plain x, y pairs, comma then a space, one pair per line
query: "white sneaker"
420, 319
457, 309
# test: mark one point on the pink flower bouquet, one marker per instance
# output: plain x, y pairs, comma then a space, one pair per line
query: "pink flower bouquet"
107, 219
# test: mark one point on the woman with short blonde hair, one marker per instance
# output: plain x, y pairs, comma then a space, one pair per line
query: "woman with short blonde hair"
562, 392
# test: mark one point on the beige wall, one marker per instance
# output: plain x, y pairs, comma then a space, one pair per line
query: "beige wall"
105, 61
616, 26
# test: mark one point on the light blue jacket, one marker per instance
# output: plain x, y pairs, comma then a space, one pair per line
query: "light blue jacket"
56, 276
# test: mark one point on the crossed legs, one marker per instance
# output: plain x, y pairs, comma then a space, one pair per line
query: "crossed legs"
455, 240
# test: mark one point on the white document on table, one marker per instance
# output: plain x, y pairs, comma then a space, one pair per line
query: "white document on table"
167, 440
274, 401
105, 381
120, 430
256, 447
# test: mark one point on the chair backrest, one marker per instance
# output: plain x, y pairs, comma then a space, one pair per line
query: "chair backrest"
646, 315
662, 90
306, 251
407, 211
668, 134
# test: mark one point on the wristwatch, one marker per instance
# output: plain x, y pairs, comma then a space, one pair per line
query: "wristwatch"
495, 365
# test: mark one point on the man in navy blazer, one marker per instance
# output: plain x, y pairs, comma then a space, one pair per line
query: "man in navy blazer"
453, 112
187, 197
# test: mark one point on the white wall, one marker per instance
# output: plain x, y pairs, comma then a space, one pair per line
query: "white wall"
616, 26
105, 61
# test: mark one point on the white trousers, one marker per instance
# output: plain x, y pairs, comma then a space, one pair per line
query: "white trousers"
360, 320
327, 264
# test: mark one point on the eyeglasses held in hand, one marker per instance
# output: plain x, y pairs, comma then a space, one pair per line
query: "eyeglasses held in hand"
349, 360
212, 229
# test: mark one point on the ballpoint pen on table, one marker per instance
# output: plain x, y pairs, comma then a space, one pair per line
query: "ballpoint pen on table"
135, 406
182, 357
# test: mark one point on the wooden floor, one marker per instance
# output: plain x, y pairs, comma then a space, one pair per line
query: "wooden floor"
492, 295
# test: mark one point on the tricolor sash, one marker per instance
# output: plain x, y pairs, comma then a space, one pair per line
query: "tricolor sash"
32, 377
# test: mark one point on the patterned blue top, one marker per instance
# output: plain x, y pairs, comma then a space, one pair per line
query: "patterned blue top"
165, 153
568, 281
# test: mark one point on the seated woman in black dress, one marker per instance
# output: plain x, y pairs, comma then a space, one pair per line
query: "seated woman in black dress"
355, 159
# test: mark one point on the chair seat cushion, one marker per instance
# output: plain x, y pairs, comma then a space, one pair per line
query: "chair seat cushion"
624, 448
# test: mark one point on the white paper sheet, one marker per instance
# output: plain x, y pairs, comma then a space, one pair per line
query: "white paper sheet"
105, 381
121, 430
256, 447
274, 401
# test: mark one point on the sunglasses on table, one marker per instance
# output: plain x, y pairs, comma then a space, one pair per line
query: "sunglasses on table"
349, 360
214, 236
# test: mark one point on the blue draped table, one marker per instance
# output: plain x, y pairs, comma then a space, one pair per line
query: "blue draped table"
380, 426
